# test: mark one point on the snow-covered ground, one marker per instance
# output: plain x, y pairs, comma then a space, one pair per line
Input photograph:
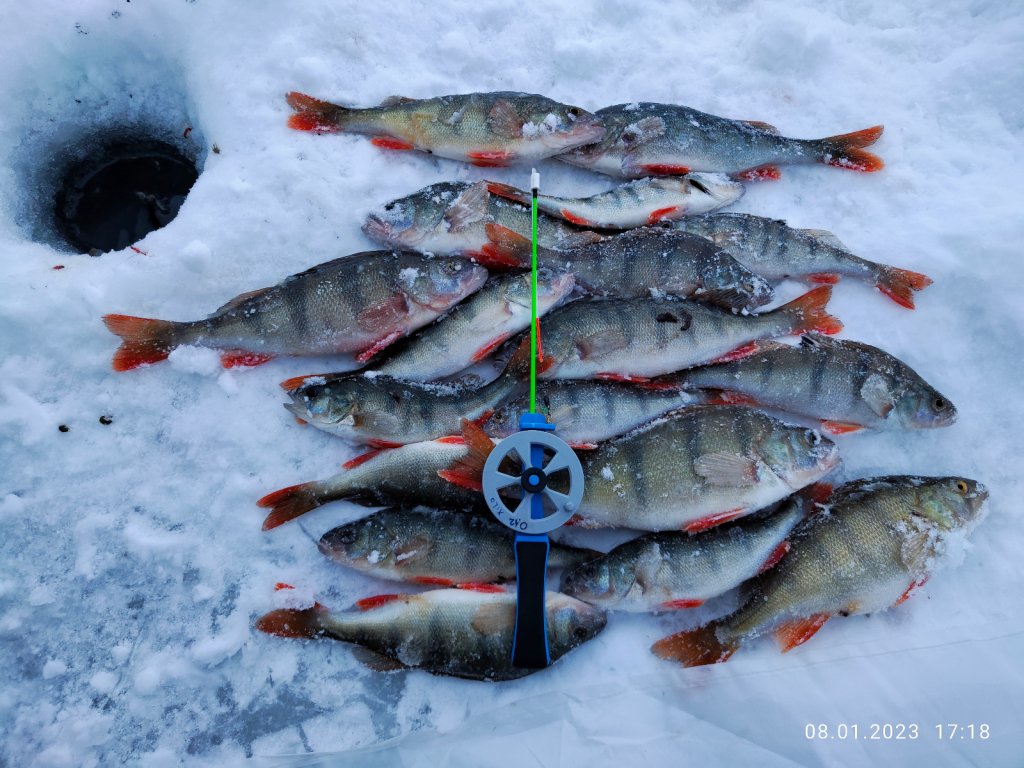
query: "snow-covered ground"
133, 564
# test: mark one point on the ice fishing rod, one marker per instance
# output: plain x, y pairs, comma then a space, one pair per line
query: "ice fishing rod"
547, 477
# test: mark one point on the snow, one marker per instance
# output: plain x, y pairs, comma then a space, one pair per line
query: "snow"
134, 563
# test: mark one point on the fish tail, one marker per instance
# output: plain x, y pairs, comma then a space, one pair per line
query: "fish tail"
694, 648
900, 284
289, 622
508, 191
808, 312
847, 150
313, 114
143, 341
289, 503
468, 471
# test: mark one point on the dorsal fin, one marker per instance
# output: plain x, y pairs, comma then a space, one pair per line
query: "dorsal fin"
394, 101
240, 299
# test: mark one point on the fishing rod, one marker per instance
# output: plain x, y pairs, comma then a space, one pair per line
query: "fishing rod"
546, 475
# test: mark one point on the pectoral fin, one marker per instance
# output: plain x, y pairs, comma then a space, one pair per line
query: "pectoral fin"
469, 208
727, 469
876, 393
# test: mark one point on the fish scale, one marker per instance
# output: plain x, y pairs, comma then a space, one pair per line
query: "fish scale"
459, 632
877, 539
671, 569
356, 304
776, 251
642, 338
698, 464
487, 129
847, 384
432, 546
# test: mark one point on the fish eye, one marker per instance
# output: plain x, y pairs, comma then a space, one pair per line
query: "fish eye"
940, 403
389, 207
579, 632
812, 436
961, 487
629, 136
748, 287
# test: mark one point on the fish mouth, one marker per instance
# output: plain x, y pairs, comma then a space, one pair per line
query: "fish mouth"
718, 186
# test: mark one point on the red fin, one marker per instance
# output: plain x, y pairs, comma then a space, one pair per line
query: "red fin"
239, 358
385, 313
474, 586
798, 632
662, 213
746, 350
660, 385
301, 422
519, 363
900, 284
913, 585
614, 376
312, 114
659, 169
489, 347
818, 493
369, 603
761, 126
281, 585
296, 382
378, 346
809, 312
467, 472
712, 520
507, 191
287, 622
694, 648
361, 458
452, 440
506, 249
143, 341
845, 150
288, 503
777, 554
435, 581
387, 142
727, 397
383, 445
840, 427
826, 278
572, 218
582, 447
677, 605
496, 159
482, 418
761, 173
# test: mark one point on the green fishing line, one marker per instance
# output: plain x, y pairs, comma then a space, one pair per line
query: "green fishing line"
533, 297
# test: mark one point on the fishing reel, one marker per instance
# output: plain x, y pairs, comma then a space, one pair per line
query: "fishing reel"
541, 463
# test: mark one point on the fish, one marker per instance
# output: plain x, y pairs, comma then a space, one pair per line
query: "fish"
358, 304
486, 129
588, 412
459, 632
637, 203
776, 251
435, 547
692, 470
461, 219
405, 475
638, 339
647, 139
847, 385
673, 570
385, 412
476, 327
879, 539
656, 262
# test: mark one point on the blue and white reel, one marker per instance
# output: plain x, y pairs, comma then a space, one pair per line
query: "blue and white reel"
542, 461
